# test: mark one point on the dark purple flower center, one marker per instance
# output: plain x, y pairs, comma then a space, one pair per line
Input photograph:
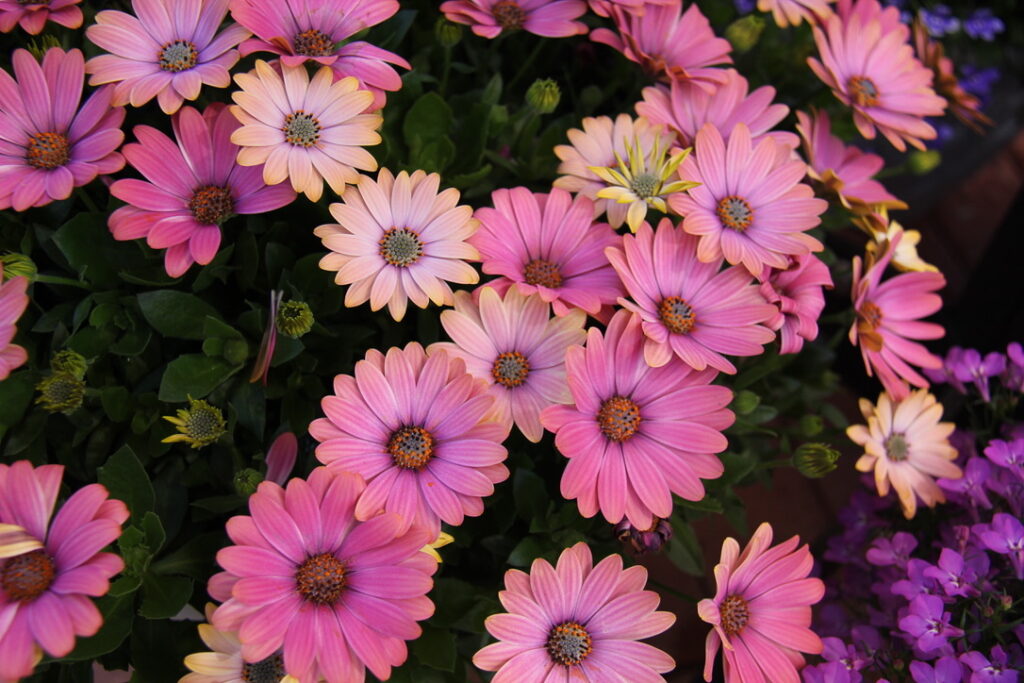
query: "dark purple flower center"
401, 247
211, 205
677, 315
269, 670
411, 448
735, 212
543, 273
569, 643
896, 447
178, 55
313, 43
48, 150
509, 15
863, 91
735, 614
44, 3
619, 418
301, 129
510, 369
25, 577
320, 579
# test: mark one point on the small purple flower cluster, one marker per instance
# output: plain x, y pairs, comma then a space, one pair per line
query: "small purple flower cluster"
963, 367
981, 24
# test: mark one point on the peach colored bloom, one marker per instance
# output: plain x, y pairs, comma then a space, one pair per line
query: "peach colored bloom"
795, 12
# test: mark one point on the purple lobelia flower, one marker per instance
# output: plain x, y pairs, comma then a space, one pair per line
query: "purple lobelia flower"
972, 487
916, 583
983, 24
947, 373
1005, 535
955, 577
945, 670
972, 367
928, 623
895, 551
843, 662
996, 668
1007, 454
940, 20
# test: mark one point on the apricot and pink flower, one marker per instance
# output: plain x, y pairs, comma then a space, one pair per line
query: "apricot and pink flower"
32, 16
797, 292
491, 18
13, 302
225, 664
887, 234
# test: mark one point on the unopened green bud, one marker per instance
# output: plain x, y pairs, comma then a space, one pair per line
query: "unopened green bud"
294, 319
246, 481
815, 460
544, 95
69, 361
922, 162
15, 265
745, 32
61, 392
235, 351
447, 33
811, 425
745, 402
39, 46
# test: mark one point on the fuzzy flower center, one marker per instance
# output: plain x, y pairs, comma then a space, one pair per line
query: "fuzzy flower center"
543, 273
896, 447
619, 418
735, 212
301, 129
411, 448
645, 185
735, 614
509, 15
204, 424
863, 91
178, 55
677, 315
48, 150
313, 43
401, 247
26, 577
510, 369
320, 579
569, 643
871, 314
211, 205
269, 670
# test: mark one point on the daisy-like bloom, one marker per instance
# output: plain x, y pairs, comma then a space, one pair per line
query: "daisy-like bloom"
198, 425
866, 60
548, 244
888, 319
797, 292
962, 104
795, 12
685, 108
318, 30
32, 15
398, 239
422, 432
169, 49
576, 622
689, 309
332, 595
225, 664
636, 434
884, 233
49, 145
304, 131
841, 170
907, 447
604, 8
491, 18
44, 593
761, 612
751, 207
193, 187
13, 302
670, 44
514, 344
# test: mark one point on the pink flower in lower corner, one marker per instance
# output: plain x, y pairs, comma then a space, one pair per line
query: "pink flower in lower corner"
490, 18
34, 14
576, 621
797, 293
194, 186
333, 595
45, 594
761, 612
13, 302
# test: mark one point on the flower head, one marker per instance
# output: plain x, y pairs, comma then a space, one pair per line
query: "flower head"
643, 541
576, 621
491, 18
225, 664
797, 292
795, 12
294, 319
33, 15
61, 392
998, 667
199, 425
962, 104
928, 624
13, 302
1005, 535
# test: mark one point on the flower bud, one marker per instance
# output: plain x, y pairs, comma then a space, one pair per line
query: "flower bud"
39, 46
543, 95
811, 425
13, 265
644, 541
294, 319
199, 425
815, 460
246, 481
923, 162
744, 33
235, 351
61, 392
447, 34
69, 361
745, 402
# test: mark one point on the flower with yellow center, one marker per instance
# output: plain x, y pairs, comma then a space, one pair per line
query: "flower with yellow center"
443, 539
199, 425
883, 232
61, 392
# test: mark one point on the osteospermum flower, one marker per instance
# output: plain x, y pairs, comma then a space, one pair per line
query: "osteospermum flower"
548, 244
398, 239
887, 234
14, 540
513, 344
422, 432
689, 309
169, 49
866, 60
761, 612
797, 292
44, 593
225, 664
319, 31
32, 15
604, 7
490, 18
962, 104
636, 434
13, 302
304, 131
576, 621
50, 145
332, 595
907, 447
194, 186
751, 207
199, 425
795, 12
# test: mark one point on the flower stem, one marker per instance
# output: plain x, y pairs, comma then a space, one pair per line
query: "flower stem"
527, 63
87, 200
56, 280
672, 591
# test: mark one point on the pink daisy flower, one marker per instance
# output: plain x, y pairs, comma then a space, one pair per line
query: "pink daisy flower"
398, 239
797, 292
168, 50
604, 8
13, 302
32, 15
867, 61
319, 30
548, 244
761, 611
689, 308
795, 12
44, 594
670, 44
576, 622
888, 318
515, 345
194, 185
636, 434
335, 596
49, 145
750, 207
304, 131
421, 431
844, 171
490, 18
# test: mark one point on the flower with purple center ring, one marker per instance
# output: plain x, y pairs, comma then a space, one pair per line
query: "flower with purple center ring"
491, 18
32, 15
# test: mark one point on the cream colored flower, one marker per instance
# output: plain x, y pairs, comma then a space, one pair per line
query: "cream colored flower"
883, 232
225, 663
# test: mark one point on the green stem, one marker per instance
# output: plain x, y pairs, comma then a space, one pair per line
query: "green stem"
56, 280
772, 464
526, 65
87, 200
672, 591
446, 70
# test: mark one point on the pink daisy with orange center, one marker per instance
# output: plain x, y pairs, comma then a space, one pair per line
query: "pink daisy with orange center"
576, 621
795, 12
761, 612
32, 15
797, 292
13, 302
491, 18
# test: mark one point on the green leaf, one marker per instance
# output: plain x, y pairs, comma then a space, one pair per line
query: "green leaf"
436, 648
530, 494
193, 375
429, 118
117, 403
683, 549
176, 314
154, 531
85, 242
15, 395
125, 585
706, 504
525, 552
164, 596
126, 480
464, 180
194, 559
117, 622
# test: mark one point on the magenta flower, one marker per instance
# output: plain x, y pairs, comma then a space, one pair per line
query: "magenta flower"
168, 50
1013, 378
970, 366
548, 244
972, 487
422, 432
193, 187
1008, 454
885, 552
945, 670
13, 302
604, 8
49, 145
997, 669
636, 434
281, 458
797, 292
336, 596
955, 577
32, 15
576, 622
44, 594
319, 30
1005, 535
928, 623
689, 308
490, 18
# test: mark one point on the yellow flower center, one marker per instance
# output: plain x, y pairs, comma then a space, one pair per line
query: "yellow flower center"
313, 43
411, 448
735, 614
47, 150
510, 369
320, 579
25, 577
735, 212
301, 129
401, 247
896, 447
178, 55
677, 315
543, 273
509, 15
863, 91
619, 418
211, 205
569, 643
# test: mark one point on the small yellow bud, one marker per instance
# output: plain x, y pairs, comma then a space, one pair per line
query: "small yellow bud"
745, 32
544, 95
